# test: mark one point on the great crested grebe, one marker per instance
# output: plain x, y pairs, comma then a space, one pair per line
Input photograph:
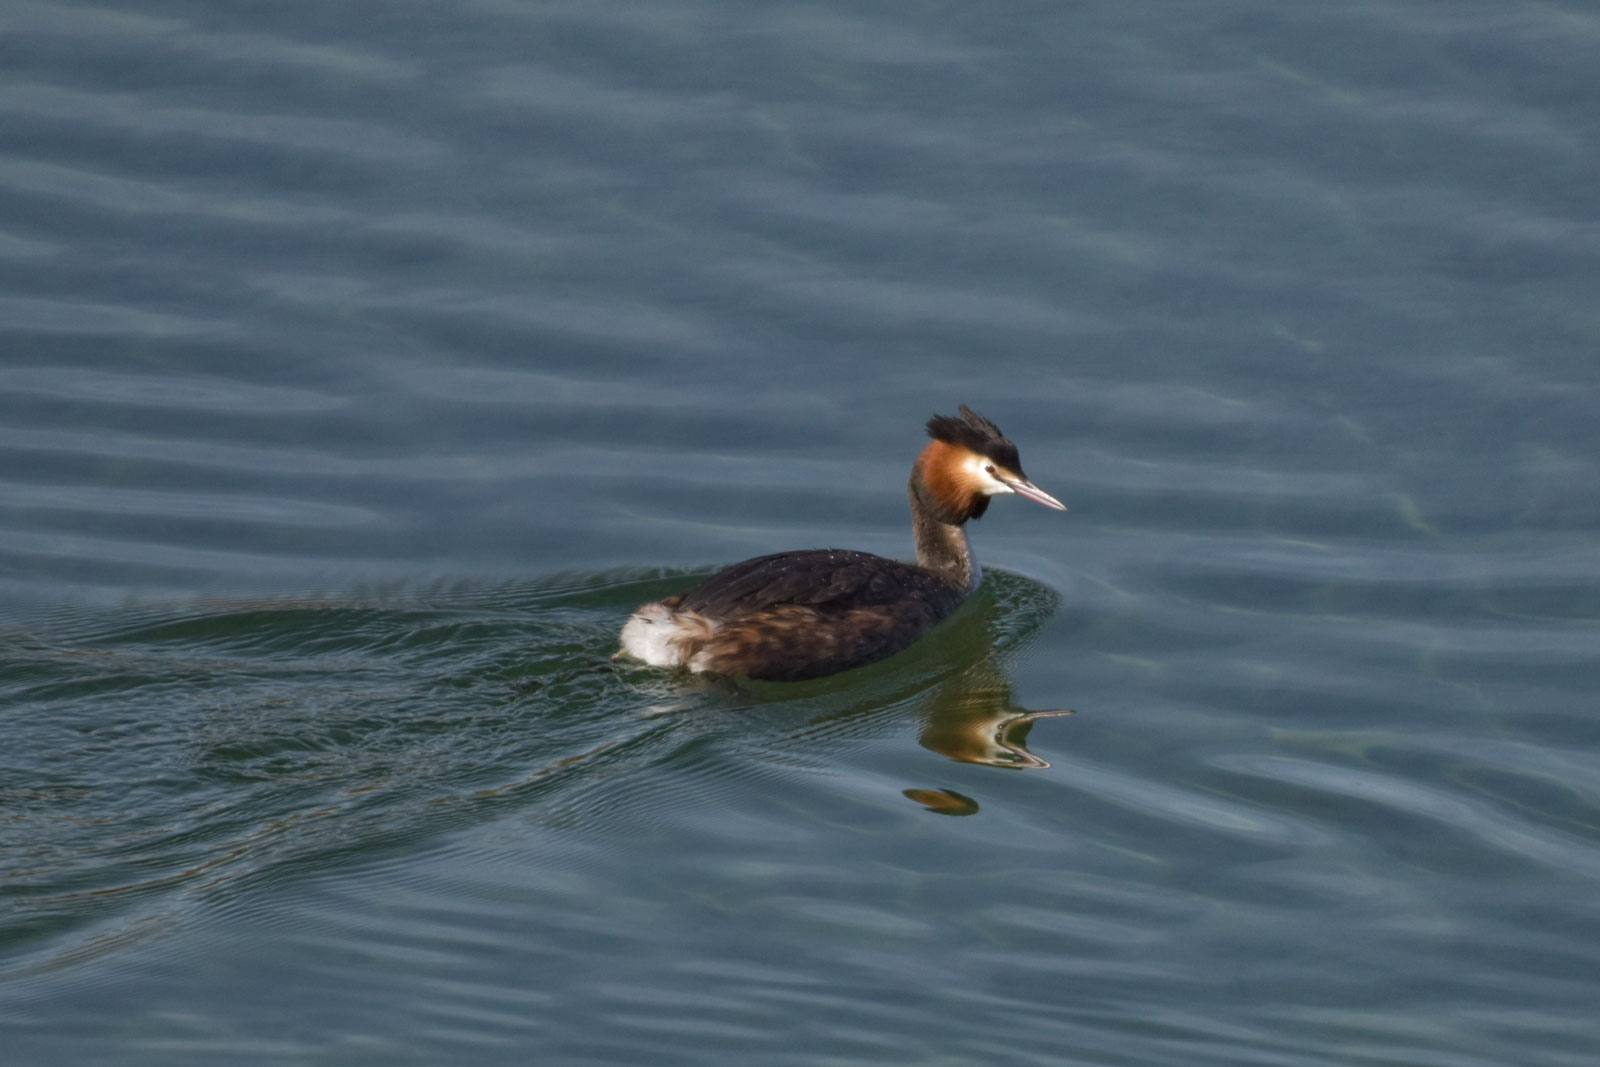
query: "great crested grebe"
797, 615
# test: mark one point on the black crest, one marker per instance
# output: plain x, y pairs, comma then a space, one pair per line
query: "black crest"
976, 434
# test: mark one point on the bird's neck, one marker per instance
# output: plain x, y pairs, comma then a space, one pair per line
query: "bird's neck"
942, 545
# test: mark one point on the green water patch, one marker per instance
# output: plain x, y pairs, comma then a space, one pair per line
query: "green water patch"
162, 757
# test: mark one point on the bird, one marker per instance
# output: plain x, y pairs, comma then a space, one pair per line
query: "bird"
793, 616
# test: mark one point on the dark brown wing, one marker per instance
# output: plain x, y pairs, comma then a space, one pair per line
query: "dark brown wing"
798, 615
791, 642
827, 579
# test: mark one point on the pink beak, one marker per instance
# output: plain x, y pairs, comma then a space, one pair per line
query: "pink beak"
1023, 487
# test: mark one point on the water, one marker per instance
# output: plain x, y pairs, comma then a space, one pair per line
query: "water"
360, 368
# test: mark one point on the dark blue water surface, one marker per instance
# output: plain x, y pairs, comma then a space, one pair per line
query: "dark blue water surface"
363, 365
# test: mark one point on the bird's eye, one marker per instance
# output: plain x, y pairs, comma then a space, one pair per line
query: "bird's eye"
989, 469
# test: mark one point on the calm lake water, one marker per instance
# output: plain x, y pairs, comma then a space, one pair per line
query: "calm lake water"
362, 366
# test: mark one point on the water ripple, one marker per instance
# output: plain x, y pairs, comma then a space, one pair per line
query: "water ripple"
165, 391
126, 116
1478, 819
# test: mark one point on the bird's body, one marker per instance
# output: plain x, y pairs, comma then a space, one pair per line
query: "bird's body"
805, 614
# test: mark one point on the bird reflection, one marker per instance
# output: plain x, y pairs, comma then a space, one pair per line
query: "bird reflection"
979, 724
944, 801
964, 712
972, 720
